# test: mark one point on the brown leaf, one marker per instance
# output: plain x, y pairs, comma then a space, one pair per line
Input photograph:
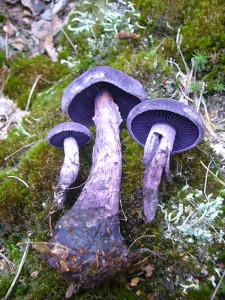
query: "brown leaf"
34, 274
149, 269
8, 28
134, 281
50, 49
138, 293
126, 35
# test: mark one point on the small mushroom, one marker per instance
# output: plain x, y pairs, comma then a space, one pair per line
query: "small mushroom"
163, 127
89, 233
68, 136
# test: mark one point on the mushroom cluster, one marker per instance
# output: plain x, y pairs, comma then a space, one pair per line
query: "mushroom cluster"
86, 245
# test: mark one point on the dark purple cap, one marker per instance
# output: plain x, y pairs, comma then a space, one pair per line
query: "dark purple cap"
184, 119
78, 98
57, 135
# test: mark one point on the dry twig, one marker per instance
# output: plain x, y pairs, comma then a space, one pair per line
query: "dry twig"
19, 270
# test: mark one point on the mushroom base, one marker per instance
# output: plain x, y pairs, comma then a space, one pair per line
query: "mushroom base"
87, 248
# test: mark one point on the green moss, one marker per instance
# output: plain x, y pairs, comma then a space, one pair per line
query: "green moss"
24, 72
203, 26
2, 58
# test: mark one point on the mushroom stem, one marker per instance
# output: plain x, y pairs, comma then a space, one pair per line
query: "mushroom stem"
157, 149
103, 185
86, 245
69, 170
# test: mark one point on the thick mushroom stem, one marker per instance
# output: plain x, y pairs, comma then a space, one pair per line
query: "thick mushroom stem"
86, 245
158, 147
69, 170
102, 188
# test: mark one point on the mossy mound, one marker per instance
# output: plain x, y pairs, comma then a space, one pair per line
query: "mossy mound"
24, 72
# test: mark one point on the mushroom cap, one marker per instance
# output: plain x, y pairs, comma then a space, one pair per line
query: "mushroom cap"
57, 135
78, 98
184, 119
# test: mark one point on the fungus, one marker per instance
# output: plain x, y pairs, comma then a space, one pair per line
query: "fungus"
163, 127
68, 136
86, 246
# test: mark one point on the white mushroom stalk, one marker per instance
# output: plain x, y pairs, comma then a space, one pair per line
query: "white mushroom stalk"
157, 149
69, 170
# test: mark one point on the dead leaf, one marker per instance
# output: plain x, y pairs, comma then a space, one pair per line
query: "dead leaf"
3, 74
50, 49
126, 35
19, 43
10, 116
9, 29
149, 269
36, 7
138, 293
34, 274
70, 291
134, 281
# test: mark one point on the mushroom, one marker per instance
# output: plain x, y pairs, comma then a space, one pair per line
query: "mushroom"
68, 136
163, 126
86, 245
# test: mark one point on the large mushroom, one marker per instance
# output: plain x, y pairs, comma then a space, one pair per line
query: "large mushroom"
163, 126
86, 246
68, 136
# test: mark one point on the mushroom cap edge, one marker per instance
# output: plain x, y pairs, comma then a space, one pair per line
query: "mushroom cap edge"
91, 79
61, 131
177, 109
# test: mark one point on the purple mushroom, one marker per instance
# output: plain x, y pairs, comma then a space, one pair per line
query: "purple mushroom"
163, 127
86, 246
68, 136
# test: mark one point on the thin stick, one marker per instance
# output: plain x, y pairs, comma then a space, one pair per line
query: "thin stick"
200, 100
6, 46
218, 179
121, 207
11, 264
21, 180
140, 237
206, 178
19, 270
69, 40
178, 42
206, 111
22, 148
218, 285
76, 187
32, 91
